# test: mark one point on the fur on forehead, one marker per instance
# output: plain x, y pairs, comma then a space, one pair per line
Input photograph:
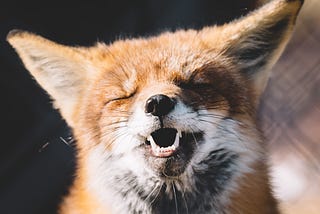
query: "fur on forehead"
161, 58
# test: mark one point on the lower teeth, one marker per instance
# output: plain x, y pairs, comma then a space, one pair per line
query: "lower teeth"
158, 149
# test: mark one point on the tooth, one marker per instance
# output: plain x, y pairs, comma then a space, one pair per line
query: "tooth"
150, 139
176, 141
157, 150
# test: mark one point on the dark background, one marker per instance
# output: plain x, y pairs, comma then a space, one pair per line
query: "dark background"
36, 151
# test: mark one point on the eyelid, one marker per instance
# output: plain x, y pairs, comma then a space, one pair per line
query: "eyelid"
193, 84
120, 98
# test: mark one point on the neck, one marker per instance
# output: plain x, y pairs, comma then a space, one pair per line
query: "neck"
213, 189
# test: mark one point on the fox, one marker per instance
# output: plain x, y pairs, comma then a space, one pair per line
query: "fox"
167, 123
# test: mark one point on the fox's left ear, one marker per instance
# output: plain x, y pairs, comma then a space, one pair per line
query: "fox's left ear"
256, 41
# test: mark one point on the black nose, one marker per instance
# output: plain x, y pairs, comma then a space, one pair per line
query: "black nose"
159, 105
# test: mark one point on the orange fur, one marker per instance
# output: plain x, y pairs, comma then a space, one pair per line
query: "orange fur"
90, 78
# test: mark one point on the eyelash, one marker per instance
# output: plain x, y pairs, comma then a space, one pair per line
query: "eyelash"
121, 98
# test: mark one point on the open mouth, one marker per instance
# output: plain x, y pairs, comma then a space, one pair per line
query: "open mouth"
170, 150
164, 142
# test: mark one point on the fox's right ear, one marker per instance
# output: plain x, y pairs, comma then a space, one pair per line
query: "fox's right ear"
59, 69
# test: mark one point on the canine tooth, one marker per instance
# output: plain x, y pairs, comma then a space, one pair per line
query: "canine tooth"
176, 141
154, 146
150, 139
180, 133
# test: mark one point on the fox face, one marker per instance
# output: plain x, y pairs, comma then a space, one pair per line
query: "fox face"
167, 124
163, 110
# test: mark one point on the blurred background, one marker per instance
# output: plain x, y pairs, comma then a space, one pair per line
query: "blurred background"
36, 148
290, 116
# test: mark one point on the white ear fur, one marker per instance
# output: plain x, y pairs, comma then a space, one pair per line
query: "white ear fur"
59, 69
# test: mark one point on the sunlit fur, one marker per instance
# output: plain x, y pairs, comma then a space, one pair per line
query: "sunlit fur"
216, 76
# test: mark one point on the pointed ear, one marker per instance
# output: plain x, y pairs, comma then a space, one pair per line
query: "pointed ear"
59, 69
255, 42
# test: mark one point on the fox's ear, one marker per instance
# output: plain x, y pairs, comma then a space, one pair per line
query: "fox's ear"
59, 69
256, 41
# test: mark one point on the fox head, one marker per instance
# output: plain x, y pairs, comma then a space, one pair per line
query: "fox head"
178, 108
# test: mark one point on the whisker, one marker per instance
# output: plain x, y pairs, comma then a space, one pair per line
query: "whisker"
210, 122
175, 197
185, 201
43, 146
114, 138
113, 129
158, 193
116, 116
239, 139
151, 193
122, 111
194, 137
117, 122
212, 116
64, 141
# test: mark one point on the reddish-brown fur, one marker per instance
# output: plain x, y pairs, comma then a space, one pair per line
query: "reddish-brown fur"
153, 65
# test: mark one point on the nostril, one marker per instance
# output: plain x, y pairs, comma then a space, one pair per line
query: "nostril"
151, 105
159, 105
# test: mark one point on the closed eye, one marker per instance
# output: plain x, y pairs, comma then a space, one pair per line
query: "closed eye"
120, 98
193, 85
